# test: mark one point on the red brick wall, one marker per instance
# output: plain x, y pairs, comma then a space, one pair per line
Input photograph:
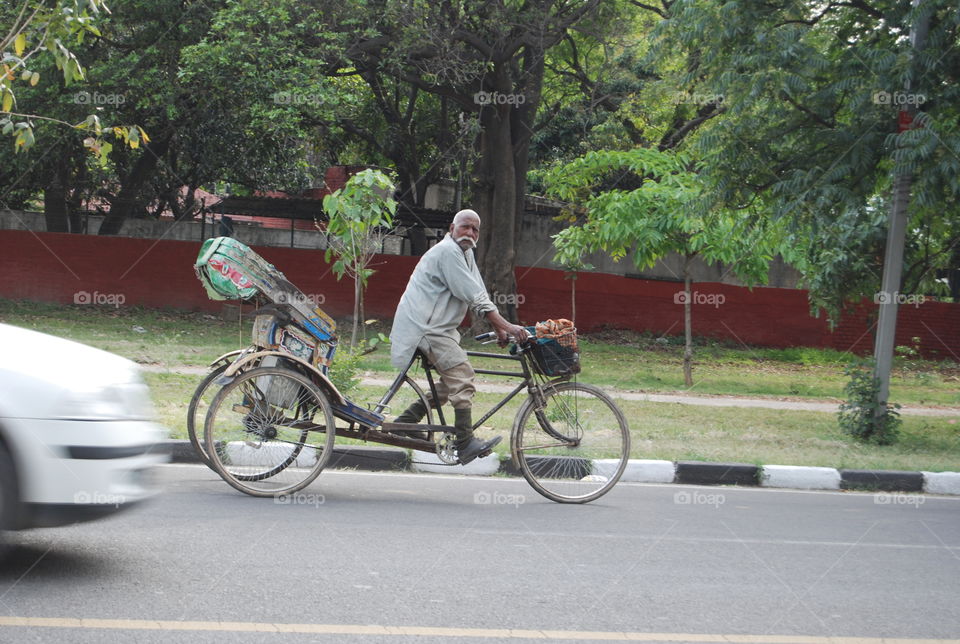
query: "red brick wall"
159, 273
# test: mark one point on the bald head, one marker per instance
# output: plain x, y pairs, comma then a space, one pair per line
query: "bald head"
457, 218
465, 229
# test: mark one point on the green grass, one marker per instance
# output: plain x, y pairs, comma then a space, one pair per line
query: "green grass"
623, 360
685, 432
638, 363
164, 338
627, 361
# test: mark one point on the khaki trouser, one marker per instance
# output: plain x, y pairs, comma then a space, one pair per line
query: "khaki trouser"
456, 382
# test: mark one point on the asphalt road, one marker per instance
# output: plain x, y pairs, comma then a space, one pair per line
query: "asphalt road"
394, 557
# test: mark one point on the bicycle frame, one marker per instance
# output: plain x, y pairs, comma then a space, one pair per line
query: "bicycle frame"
367, 426
526, 374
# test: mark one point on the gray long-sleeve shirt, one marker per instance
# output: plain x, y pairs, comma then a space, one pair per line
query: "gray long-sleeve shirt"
445, 284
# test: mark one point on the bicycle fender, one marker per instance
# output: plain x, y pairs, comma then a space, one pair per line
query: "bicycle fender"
330, 388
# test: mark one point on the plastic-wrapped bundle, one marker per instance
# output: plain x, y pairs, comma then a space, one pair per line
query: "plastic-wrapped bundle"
231, 270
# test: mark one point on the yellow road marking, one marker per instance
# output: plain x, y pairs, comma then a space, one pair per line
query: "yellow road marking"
428, 631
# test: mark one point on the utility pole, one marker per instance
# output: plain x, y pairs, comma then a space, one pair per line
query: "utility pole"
896, 233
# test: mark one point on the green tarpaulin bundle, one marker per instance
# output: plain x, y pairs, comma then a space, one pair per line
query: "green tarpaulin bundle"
231, 270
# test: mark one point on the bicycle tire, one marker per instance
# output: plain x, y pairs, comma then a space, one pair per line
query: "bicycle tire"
197, 412
271, 431
574, 446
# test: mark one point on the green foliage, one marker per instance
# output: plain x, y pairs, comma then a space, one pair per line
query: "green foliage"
216, 119
358, 217
839, 256
348, 363
809, 130
38, 31
664, 214
863, 416
910, 362
345, 372
357, 213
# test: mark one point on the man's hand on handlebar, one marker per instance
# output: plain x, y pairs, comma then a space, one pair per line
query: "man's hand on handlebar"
504, 336
505, 331
512, 333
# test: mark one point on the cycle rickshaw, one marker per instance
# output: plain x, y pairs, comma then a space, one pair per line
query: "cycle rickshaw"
270, 413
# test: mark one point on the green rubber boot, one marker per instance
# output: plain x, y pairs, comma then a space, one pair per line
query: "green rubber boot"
468, 446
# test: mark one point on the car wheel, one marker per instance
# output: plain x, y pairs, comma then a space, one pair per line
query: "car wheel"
8, 496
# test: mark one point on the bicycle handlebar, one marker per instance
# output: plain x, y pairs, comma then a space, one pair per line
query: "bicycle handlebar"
491, 336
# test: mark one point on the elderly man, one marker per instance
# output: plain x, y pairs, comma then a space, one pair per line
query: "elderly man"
444, 285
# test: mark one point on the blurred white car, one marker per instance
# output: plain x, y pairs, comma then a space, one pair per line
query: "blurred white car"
77, 440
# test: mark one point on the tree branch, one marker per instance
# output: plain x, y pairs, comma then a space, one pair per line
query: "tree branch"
662, 12
806, 110
673, 139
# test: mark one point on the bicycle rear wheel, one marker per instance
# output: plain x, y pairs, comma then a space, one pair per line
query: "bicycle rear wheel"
269, 432
197, 411
573, 445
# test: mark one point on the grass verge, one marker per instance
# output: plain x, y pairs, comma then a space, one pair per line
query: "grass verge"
674, 432
176, 340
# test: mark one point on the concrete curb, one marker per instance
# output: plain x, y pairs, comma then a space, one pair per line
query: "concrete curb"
881, 480
698, 473
378, 459
802, 478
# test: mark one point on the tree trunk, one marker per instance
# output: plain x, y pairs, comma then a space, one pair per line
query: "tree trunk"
687, 324
123, 205
363, 314
499, 206
500, 192
573, 298
356, 312
55, 199
521, 131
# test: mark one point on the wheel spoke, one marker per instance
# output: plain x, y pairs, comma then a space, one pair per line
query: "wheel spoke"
559, 443
270, 430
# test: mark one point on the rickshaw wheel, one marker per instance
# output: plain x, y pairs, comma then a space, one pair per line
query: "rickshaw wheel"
271, 431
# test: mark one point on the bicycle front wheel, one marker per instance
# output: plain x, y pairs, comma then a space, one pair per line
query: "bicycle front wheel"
269, 432
573, 444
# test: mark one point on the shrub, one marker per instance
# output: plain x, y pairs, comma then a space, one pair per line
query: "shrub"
863, 416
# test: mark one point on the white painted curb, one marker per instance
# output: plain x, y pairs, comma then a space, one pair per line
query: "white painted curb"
639, 470
941, 482
799, 477
486, 466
